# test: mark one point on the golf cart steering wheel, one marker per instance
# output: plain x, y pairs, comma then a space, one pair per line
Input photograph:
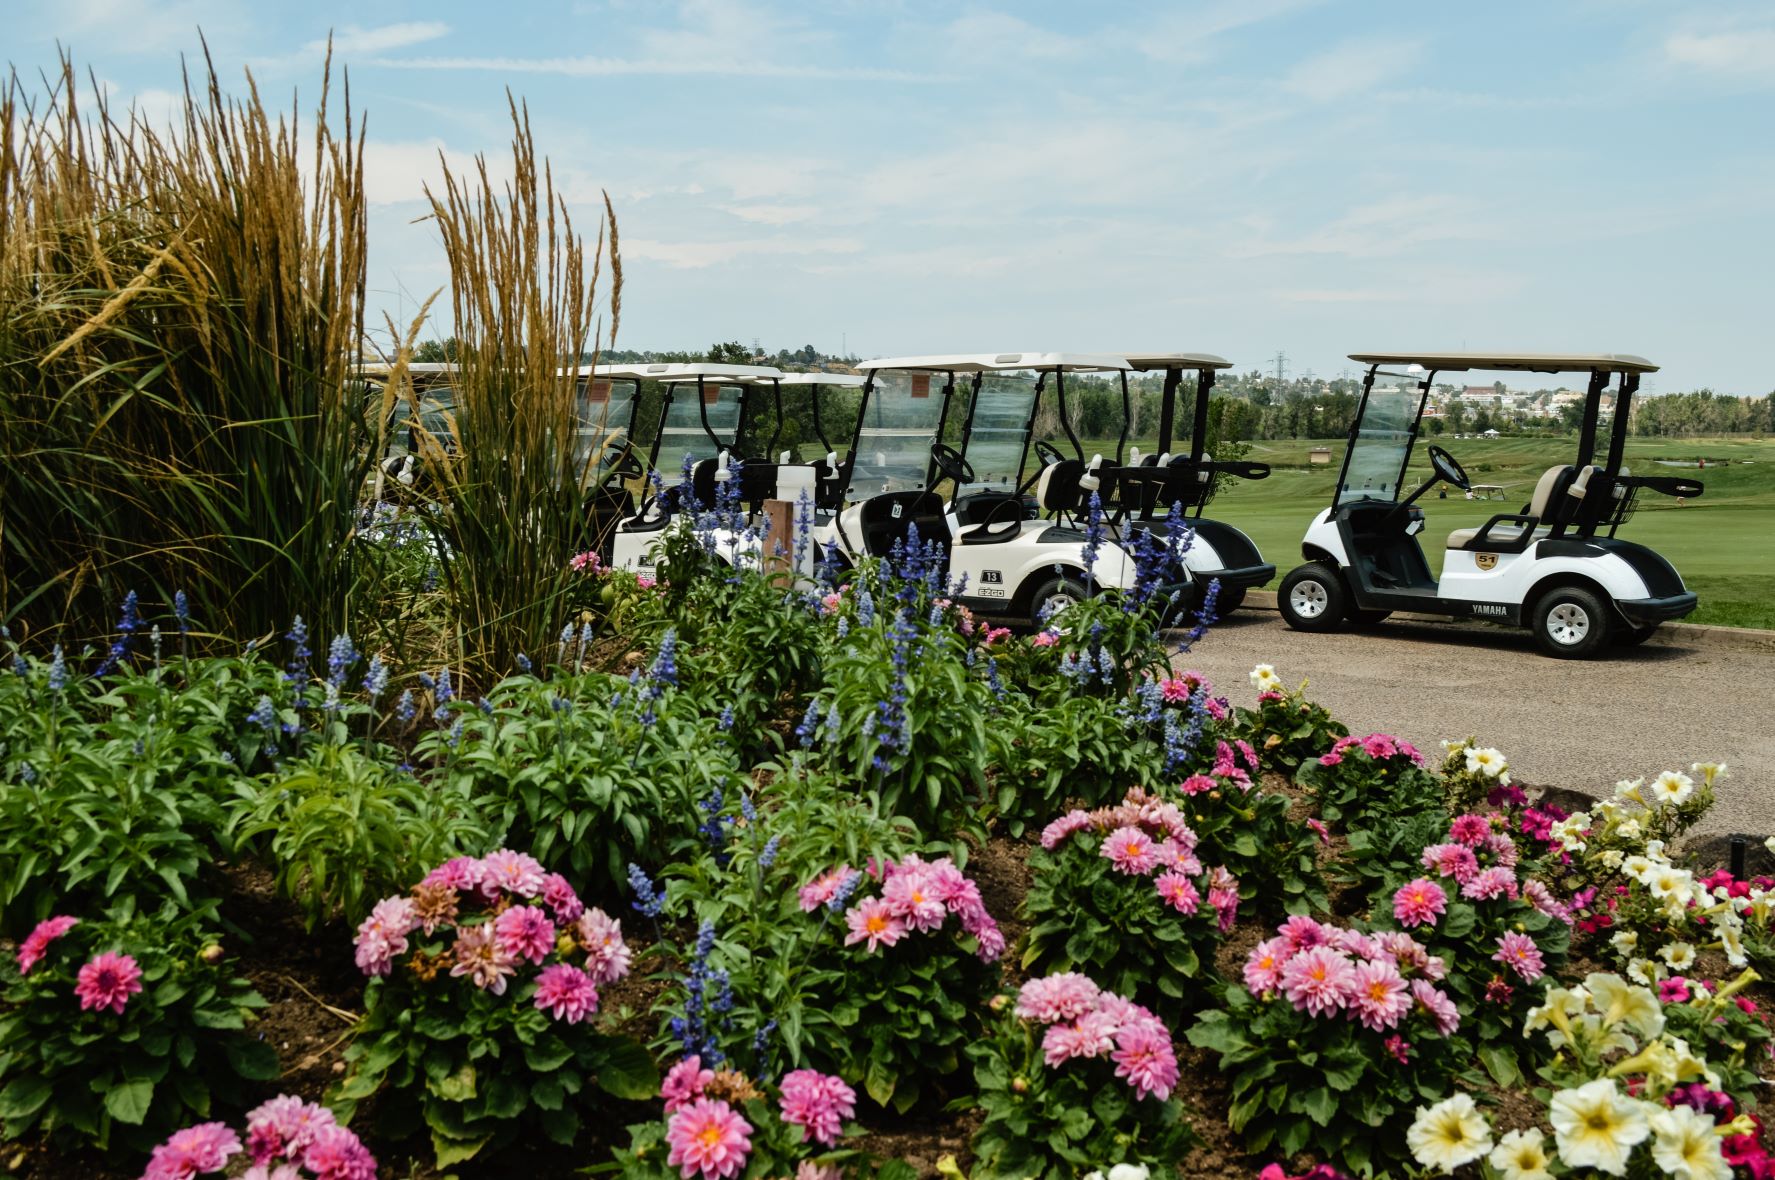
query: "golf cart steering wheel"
951, 463
627, 467
1047, 452
1446, 467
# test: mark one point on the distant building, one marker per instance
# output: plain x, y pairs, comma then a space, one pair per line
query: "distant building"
1319, 456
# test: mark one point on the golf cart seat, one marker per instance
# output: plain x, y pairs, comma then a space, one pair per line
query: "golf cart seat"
1512, 533
889, 517
1059, 488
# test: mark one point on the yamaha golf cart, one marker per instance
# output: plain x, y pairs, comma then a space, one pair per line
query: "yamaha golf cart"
1008, 561
711, 415
1556, 567
1152, 485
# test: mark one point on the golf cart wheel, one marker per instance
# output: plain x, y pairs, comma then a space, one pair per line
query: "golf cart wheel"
1053, 597
1313, 598
1634, 636
1571, 623
1366, 618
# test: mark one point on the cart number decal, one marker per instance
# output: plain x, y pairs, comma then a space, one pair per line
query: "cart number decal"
992, 577
1486, 561
1487, 608
921, 385
598, 391
896, 510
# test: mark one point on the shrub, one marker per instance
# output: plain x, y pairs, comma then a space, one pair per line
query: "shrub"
1247, 829
1332, 1038
484, 1032
339, 828
1370, 782
1120, 895
1075, 1077
1286, 728
122, 1027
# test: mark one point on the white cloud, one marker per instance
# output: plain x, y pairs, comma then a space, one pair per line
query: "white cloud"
727, 66
695, 255
985, 36
1746, 51
1352, 67
772, 214
1383, 228
396, 172
352, 39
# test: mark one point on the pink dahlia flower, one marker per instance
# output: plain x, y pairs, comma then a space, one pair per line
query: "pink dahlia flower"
1091, 1035
708, 1137
1470, 830
383, 935
559, 896
193, 1151
515, 872
818, 1103
1144, 1056
1263, 966
1317, 980
915, 895
1378, 995
525, 932
1452, 860
824, 887
1436, 1002
107, 980
336, 1153
1178, 891
1130, 850
607, 955
566, 993
1518, 952
873, 921
461, 873
1419, 902
1490, 883
684, 1083
32, 950
1066, 996
480, 956
1302, 932
284, 1126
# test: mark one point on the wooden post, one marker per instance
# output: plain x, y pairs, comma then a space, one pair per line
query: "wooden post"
780, 514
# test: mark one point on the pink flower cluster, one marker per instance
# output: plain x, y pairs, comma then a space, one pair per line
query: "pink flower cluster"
918, 896
36, 944
1145, 835
826, 886
818, 1103
1480, 858
1376, 979
1083, 1020
586, 563
707, 1137
528, 912
1376, 745
1179, 689
107, 980
287, 1139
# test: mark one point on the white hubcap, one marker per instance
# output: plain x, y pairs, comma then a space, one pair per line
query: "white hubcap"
1309, 600
1055, 603
1568, 623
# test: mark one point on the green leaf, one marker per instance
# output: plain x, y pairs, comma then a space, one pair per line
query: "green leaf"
129, 1102
454, 1151
548, 1056
1500, 1063
253, 1060
23, 1096
879, 1081
628, 1071
1319, 1105
456, 1087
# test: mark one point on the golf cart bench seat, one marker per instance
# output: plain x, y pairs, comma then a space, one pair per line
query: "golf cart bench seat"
1514, 532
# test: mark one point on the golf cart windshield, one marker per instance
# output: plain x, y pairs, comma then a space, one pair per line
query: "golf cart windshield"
1382, 443
682, 434
998, 431
901, 418
606, 413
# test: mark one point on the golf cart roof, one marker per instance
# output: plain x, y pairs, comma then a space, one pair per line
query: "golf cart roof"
991, 362
1527, 362
850, 379
691, 371
1176, 360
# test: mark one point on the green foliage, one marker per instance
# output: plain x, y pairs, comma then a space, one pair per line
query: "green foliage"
1287, 729
1734, 1040
1081, 749
340, 828
1057, 1123
1087, 916
124, 1081
1359, 790
1275, 858
573, 770
1324, 1084
752, 645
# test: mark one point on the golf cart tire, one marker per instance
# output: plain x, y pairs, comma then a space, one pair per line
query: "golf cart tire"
1631, 636
1313, 598
1572, 622
1054, 588
1366, 618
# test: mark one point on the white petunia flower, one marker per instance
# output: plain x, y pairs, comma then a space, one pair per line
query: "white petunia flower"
1687, 1144
1625, 941
1449, 1134
1679, 955
1521, 1155
1672, 788
1596, 1126
1487, 762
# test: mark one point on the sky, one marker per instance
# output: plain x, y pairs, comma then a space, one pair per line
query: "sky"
1244, 177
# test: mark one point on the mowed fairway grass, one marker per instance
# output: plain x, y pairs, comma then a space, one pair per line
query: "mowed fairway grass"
1723, 543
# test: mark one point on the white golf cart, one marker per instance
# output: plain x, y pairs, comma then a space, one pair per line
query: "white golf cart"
1550, 568
1151, 485
1010, 562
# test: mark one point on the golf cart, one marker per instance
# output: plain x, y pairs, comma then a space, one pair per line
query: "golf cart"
1009, 562
1556, 567
1150, 486
827, 395
712, 414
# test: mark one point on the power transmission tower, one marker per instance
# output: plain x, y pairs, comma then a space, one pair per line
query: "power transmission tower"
1281, 359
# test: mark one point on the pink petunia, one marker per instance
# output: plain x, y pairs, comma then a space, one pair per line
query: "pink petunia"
517, 873
1419, 903
1065, 996
685, 1082
708, 1137
36, 944
818, 1103
566, 993
107, 980
525, 932
1674, 990
193, 1151
1130, 850
1178, 891
1378, 995
873, 921
607, 955
1145, 1057
1317, 980
1518, 952
1434, 1001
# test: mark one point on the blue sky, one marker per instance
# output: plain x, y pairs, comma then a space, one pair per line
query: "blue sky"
1237, 176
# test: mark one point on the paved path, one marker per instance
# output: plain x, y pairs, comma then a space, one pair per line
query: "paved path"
1578, 724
